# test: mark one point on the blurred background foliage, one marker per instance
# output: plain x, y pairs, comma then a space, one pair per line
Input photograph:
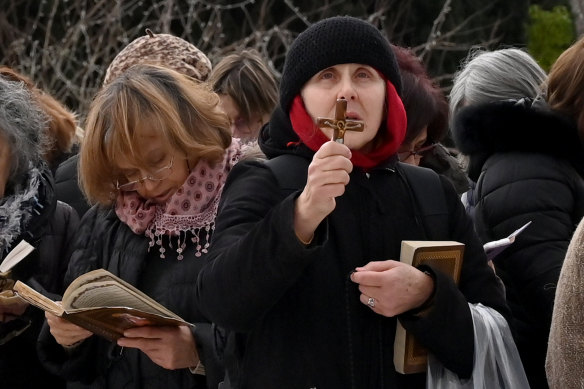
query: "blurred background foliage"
65, 46
549, 33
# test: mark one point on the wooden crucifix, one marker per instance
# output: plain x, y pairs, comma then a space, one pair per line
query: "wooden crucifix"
340, 124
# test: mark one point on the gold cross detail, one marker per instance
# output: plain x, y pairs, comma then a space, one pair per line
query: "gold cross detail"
340, 124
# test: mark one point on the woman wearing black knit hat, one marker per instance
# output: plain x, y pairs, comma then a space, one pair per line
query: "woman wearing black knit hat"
301, 276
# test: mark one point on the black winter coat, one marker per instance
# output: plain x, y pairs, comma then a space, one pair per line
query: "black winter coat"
50, 231
105, 242
67, 185
528, 164
294, 315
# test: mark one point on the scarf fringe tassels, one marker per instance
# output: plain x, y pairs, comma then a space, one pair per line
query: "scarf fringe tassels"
17, 210
200, 237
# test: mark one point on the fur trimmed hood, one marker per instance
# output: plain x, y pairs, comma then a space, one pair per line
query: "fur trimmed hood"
515, 125
25, 214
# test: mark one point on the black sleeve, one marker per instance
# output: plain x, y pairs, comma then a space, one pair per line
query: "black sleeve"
80, 363
67, 186
205, 338
70, 231
255, 256
77, 364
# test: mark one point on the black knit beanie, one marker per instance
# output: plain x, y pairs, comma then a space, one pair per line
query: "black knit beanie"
334, 41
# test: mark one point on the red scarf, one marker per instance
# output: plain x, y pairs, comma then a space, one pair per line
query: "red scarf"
396, 124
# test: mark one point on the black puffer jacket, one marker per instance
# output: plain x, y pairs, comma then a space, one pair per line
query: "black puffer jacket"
528, 164
103, 241
295, 316
51, 231
67, 185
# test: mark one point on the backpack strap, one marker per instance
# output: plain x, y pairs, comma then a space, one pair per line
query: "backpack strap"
429, 199
291, 172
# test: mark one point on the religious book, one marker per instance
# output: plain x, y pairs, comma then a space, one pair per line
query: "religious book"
103, 304
409, 356
13, 258
494, 248
15, 255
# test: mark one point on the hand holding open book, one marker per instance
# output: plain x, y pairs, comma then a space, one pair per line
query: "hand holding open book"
103, 304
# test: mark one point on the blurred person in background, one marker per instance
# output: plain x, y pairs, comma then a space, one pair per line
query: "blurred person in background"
427, 111
248, 91
29, 211
565, 354
63, 133
528, 165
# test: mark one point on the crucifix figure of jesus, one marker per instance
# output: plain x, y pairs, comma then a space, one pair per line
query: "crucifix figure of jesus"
340, 123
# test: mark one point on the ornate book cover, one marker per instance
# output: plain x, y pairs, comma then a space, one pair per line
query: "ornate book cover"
446, 256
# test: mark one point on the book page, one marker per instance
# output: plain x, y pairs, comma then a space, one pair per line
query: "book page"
431, 243
100, 288
16, 255
107, 294
494, 248
37, 299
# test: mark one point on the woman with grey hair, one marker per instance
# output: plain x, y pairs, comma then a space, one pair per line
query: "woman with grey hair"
28, 211
528, 165
489, 76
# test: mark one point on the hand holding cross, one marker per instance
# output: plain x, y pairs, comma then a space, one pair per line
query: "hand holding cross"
340, 124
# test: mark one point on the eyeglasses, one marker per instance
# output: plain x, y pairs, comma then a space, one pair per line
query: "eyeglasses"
418, 154
245, 127
159, 175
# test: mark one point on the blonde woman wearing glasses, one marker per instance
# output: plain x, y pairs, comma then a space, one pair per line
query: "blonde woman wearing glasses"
155, 158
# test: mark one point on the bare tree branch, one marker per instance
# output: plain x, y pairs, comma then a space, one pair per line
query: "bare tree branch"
65, 46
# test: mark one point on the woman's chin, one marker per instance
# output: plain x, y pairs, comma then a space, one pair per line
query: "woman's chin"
163, 198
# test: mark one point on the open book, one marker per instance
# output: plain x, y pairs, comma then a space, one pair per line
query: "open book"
15, 255
13, 258
409, 356
494, 248
103, 304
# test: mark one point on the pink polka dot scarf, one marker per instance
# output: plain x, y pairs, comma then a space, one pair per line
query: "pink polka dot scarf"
192, 208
